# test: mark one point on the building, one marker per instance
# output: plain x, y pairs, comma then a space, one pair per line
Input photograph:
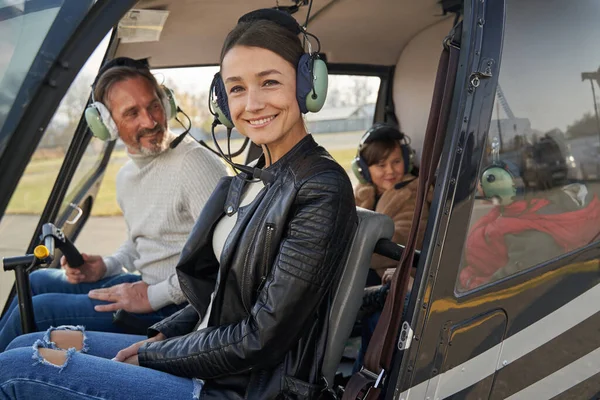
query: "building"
341, 119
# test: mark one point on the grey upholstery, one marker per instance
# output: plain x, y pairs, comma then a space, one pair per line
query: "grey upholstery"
347, 300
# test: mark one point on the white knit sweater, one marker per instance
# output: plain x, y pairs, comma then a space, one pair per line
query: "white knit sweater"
161, 198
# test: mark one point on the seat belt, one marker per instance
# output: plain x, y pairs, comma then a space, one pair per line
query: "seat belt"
368, 383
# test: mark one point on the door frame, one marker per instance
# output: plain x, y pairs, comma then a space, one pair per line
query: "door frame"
454, 192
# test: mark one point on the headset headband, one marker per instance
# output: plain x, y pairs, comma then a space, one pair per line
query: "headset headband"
380, 131
279, 17
122, 62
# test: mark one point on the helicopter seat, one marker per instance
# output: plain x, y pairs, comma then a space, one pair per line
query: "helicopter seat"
348, 296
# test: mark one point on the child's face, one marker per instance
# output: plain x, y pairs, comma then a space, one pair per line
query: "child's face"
388, 172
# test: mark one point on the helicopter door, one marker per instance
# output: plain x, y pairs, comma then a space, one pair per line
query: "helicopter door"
444, 332
509, 308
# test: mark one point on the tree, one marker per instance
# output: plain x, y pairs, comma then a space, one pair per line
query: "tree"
335, 98
62, 127
360, 92
195, 105
585, 126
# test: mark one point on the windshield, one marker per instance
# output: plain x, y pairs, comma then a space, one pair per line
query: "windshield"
33, 33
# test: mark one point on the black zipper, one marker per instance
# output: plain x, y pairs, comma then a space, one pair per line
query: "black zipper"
246, 289
266, 256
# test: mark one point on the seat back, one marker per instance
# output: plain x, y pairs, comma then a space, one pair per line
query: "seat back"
348, 296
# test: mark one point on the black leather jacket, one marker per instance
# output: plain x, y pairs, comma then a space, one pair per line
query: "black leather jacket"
266, 336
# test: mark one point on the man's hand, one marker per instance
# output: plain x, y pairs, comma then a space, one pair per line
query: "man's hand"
92, 270
129, 354
131, 297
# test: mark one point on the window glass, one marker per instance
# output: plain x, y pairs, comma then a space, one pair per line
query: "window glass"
22, 29
347, 114
26, 28
29, 199
537, 193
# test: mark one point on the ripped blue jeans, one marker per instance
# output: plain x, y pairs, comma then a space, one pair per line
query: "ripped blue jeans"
88, 374
58, 302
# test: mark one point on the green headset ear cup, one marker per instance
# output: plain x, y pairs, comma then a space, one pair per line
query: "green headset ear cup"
355, 165
316, 98
498, 183
220, 115
169, 103
94, 121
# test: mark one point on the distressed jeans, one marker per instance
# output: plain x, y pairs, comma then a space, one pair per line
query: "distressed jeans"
58, 302
89, 374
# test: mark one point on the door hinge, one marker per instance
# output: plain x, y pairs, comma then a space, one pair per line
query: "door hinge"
406, 335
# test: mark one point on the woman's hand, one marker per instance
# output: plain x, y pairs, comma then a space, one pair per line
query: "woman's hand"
129, 354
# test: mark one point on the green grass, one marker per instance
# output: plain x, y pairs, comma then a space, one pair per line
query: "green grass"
37, 181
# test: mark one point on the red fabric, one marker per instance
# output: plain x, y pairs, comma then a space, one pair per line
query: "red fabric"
486, 250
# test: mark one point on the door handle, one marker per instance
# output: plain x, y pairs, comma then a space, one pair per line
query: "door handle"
79, 214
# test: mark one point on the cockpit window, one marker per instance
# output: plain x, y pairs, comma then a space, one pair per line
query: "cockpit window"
26, 28
539, 186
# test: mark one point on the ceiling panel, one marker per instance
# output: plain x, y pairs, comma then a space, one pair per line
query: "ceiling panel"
350, 31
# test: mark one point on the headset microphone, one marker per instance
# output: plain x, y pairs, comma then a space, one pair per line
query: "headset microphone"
256, 173
179, 138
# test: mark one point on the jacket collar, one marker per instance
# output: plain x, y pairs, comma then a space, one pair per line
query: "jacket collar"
238, 183
299, 150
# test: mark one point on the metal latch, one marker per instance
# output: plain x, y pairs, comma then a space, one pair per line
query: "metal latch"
485, 70
406, 335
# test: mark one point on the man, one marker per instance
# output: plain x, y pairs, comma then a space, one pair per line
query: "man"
161, 191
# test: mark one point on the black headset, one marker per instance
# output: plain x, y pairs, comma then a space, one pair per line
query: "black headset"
377, 132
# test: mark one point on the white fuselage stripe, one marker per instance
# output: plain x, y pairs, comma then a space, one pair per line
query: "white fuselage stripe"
511, 349
563, 379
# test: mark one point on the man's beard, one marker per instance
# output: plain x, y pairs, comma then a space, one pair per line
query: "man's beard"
155, 146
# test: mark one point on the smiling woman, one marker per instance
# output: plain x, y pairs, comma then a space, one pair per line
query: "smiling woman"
262, 100
259, 267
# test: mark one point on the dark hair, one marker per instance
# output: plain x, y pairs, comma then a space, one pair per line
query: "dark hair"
378, 150
265, 35
119, 74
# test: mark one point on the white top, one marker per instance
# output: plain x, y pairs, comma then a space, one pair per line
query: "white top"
222, 231
161, 197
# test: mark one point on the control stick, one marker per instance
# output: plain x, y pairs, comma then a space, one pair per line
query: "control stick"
52, 238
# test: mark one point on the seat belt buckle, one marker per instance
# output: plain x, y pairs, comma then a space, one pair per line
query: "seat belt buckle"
378, 378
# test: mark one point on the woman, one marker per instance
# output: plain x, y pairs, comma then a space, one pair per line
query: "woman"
257, 269
383, 165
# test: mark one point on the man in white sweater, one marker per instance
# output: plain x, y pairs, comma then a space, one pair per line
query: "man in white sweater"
161, 191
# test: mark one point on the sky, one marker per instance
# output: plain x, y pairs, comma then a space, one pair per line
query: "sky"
547, 45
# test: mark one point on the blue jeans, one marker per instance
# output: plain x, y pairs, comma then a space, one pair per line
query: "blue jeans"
58, 302
89, 374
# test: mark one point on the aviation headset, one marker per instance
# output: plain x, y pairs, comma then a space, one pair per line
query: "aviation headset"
311, 75
98, 116
498, 183
377, 132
